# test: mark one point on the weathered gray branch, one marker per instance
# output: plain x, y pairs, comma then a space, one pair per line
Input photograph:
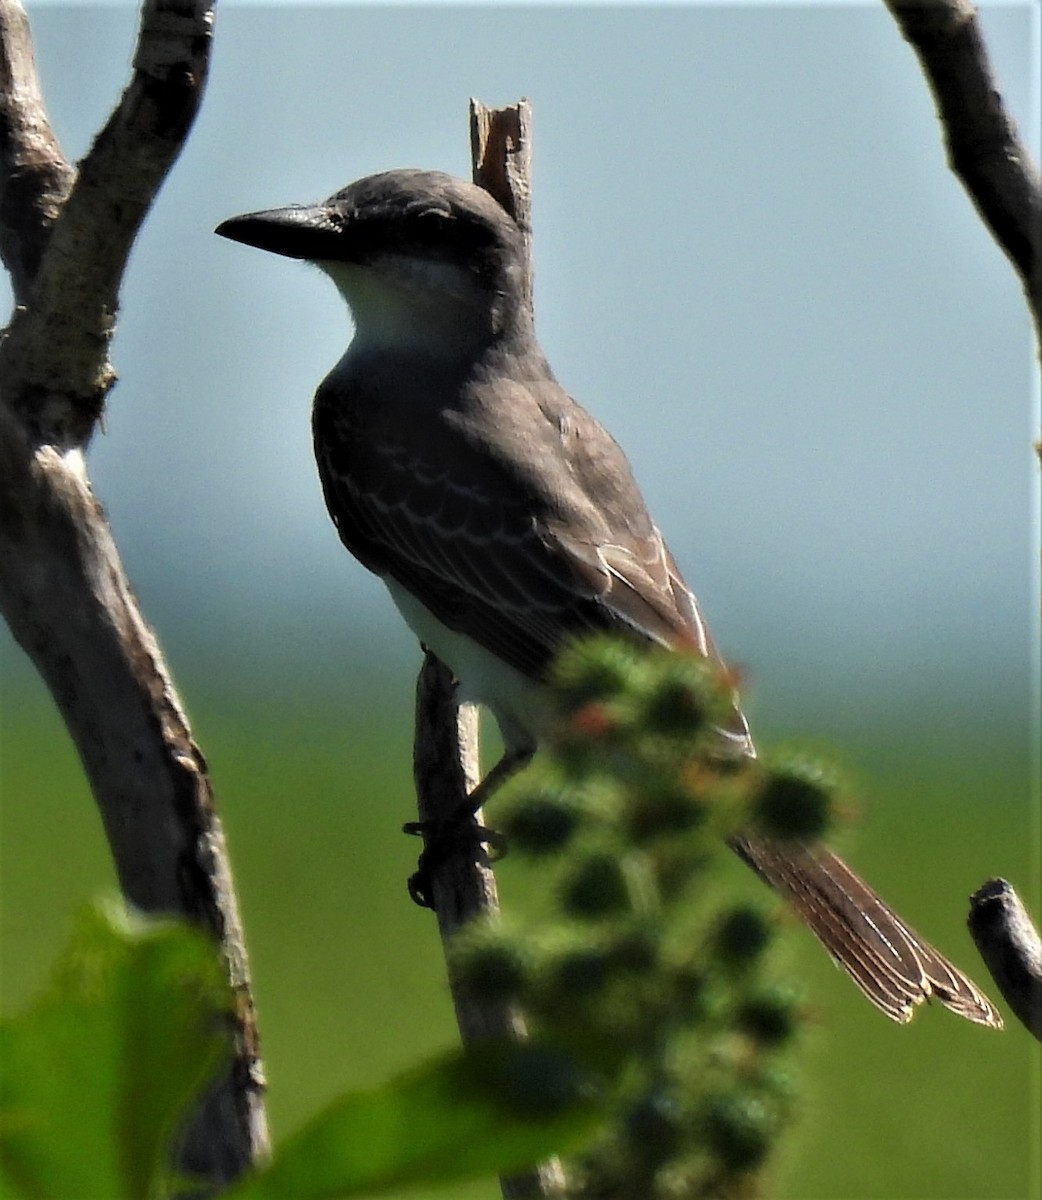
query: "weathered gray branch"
501, 152
446, 763
986, 152
55, 353
65, 236
446, 748
984, 148
1011, 948
34, 175
463, 886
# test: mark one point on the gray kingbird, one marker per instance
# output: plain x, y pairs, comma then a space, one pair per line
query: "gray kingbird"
505, 520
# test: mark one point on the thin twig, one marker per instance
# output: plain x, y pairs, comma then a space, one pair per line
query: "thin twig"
501, 152
1011, 948
446, 749
984, 148
63, 590
445, 759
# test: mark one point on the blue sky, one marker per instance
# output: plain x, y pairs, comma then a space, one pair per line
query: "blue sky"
751, 263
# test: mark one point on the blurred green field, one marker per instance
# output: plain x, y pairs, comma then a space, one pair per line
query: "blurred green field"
313, 789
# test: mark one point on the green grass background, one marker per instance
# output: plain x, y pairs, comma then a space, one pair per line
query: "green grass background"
313, 783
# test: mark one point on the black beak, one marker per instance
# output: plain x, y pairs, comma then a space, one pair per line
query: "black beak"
300, 231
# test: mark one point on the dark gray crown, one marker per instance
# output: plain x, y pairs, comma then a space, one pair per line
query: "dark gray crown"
425, 213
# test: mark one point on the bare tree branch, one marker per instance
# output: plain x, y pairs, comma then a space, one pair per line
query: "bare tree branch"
446, 762
984, 148
63, 590
501, 151
463, 886
56, 348
34, 175
1011, 948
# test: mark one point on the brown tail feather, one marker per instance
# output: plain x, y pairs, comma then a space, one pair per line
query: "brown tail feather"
889, 961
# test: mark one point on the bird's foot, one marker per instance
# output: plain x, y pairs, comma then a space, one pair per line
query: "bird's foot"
443, 840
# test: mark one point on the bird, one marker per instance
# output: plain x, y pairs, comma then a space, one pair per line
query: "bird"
505, 520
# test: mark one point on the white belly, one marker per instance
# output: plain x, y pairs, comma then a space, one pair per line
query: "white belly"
517, 704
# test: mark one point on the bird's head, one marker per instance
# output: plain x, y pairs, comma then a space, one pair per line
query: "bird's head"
416, 254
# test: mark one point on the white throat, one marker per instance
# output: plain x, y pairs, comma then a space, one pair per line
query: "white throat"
408, 303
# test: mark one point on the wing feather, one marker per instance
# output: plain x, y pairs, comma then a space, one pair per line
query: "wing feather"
505, 566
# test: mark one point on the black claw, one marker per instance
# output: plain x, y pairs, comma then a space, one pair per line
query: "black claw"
442, 840
420, 888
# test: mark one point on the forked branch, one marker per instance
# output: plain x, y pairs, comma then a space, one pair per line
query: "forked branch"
65, 236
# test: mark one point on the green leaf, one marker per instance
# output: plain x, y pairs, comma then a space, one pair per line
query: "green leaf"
494, 1109
96, 1074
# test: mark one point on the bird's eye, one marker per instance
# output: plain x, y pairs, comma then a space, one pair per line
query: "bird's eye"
435, 224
